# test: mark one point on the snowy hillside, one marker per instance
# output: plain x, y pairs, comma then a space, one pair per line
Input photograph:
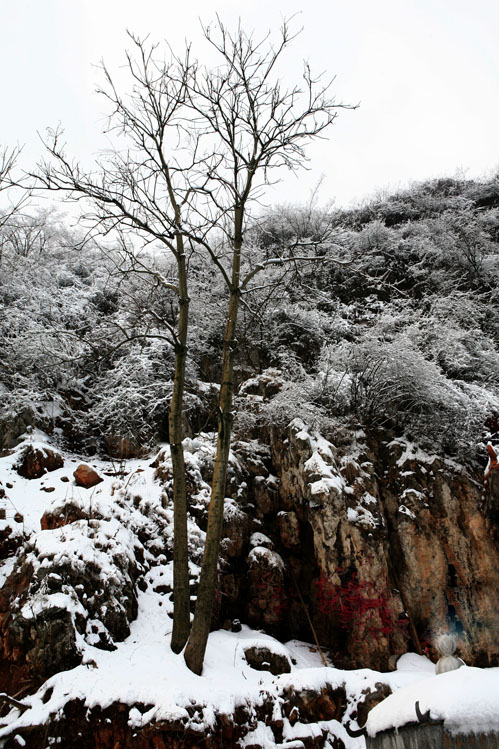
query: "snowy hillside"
357, 419
121, 544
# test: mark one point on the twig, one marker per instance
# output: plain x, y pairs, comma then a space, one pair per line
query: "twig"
15, 703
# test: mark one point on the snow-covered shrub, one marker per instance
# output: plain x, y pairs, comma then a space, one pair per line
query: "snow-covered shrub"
400, 334
64, 322
132, 397
290, 226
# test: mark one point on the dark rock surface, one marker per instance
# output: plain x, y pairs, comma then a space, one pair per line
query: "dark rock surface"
35, 462
265, 659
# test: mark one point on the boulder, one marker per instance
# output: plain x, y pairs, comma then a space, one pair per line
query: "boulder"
35, 462
312, 705
86, 476
264, 659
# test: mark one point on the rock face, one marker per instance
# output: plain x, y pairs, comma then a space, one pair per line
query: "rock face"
443, 552
401, 539
365, 542
375, 544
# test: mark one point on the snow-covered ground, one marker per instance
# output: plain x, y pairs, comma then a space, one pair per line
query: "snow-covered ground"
145, 674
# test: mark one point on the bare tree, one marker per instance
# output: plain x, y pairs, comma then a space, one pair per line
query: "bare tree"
146, 189
201, 146
256, 125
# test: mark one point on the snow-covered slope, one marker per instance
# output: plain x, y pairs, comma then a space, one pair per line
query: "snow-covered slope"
116, 537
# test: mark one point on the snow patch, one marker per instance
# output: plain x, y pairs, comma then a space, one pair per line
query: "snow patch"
466, 700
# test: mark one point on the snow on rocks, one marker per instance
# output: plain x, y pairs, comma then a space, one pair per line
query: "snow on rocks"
309, 704
365, 513
265, 385
98, 579
264, 557
73, 576
408, 452
260, 539
323, 474
466, 700
34, 461
361, 516
263, 658
153, 685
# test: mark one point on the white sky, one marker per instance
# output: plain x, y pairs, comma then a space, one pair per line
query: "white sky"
426, 74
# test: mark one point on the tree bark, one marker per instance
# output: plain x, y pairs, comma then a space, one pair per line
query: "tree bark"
198, 638
181, 596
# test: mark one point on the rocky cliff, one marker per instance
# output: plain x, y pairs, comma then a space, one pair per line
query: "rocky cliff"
382, 544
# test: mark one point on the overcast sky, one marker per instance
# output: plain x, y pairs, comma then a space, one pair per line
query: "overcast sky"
425, 72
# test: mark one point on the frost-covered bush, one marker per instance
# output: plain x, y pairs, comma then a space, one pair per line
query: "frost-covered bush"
384, 384
395, 323
394, 381
45, 304
43, 322
297, 400
460, 333
64, 318
132, 397
77, 337
294, 226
